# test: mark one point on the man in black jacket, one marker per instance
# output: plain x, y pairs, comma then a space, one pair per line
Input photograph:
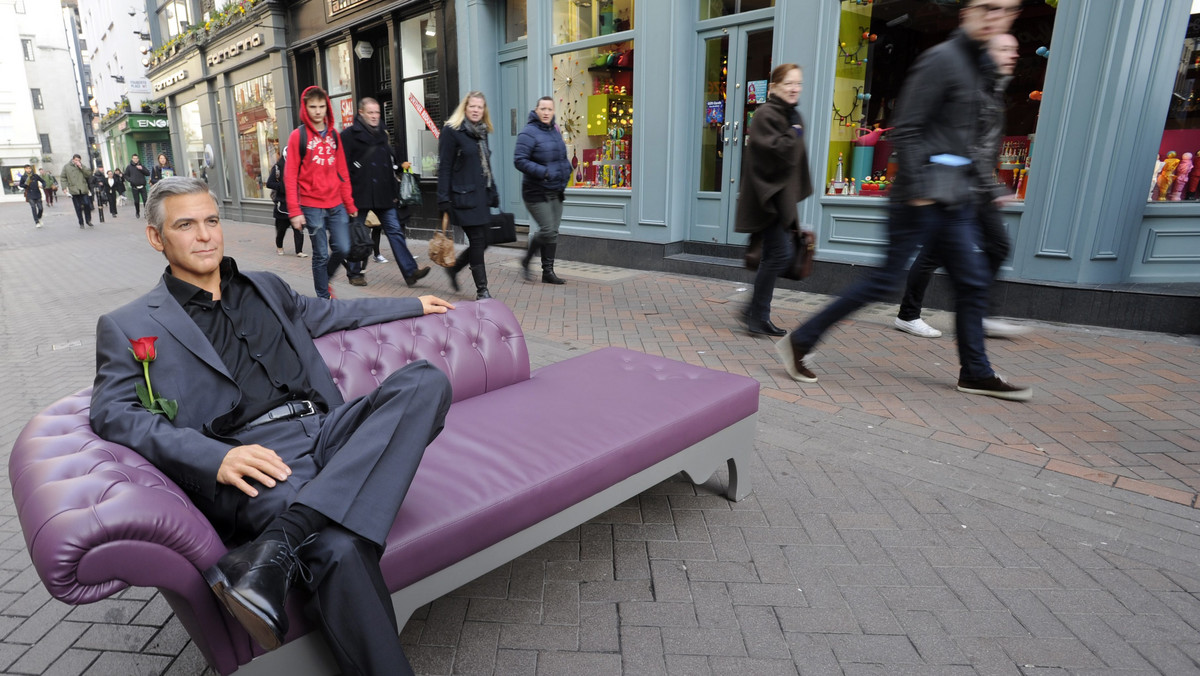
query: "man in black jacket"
136, 175
936, 128
373, 179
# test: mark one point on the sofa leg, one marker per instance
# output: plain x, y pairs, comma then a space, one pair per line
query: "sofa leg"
738, 489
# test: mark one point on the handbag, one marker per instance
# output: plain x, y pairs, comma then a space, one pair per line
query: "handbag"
501, 229
804, 247
410, 189
441, 247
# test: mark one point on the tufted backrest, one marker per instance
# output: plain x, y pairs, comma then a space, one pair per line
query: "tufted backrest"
478, 345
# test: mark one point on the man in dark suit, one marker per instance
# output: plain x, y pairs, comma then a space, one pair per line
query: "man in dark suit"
298, 481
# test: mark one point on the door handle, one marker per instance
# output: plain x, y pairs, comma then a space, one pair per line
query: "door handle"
725, 134
735, 133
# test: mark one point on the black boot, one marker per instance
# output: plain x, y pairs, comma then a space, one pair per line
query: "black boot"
479, 272
535, 243
252, 583
459, 264
548, 276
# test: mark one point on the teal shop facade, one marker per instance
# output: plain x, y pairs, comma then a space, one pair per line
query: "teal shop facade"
660, 159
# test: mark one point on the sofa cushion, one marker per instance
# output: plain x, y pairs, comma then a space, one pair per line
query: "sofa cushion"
510, 459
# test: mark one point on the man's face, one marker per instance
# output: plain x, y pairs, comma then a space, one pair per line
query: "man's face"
77, 162
134, 160
1003, 50
983, 20
191, 238
370, 113
316, 110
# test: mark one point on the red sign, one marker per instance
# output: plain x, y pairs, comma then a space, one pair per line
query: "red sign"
412, 98
347, 107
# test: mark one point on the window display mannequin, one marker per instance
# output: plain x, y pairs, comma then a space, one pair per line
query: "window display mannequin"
1181, 178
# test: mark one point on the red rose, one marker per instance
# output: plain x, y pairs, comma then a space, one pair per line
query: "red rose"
143, 348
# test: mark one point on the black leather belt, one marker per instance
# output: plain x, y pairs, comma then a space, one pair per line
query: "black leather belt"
292, 409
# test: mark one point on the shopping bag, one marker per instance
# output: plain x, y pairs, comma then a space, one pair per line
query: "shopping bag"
441, 247
410, 189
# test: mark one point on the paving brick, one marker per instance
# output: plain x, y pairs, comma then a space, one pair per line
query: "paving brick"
476, 652
127, 664
72, 663
598, 627
125, 638
579, 664
642, 651
50, 647
701, 641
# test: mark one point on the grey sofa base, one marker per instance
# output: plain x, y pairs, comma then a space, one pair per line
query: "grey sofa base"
732, 446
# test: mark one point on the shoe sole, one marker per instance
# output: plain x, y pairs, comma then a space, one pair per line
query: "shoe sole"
783, 347
1006, 333
1018, 395
765, 333
258, 625
911, 332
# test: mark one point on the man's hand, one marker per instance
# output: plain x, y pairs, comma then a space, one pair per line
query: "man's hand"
404, 166
354, 215
919, 203
298, 222
253, 462
1004, 199
432, 305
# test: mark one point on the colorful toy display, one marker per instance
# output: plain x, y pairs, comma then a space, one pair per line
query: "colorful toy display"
1182, 172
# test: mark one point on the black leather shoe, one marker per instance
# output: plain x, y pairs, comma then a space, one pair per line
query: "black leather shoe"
417, 276
765, 328
252, 582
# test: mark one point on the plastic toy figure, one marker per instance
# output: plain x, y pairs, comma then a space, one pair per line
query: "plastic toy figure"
1158, 167
1167, 176
1193, 184
1181, 178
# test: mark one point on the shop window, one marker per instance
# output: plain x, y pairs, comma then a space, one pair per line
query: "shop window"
877, 43
593, 92
515, 24
193, 143
338, 69
711, 9
1175, 173
575, 20
424, 111
258, 135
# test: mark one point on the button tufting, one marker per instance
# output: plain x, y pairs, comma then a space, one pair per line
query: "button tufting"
443, 353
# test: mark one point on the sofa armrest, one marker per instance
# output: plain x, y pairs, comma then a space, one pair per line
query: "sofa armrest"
478, 345
97, 517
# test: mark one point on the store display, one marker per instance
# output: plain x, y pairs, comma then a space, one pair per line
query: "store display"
1181, 178
1166, 177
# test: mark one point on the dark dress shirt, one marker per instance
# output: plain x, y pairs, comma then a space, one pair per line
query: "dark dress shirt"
250, 341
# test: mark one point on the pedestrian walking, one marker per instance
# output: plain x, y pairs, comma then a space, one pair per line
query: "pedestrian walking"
101, 191
116, 183
541, 157
373, 170
932, 199
775, 177
989, 197
466, 186
162, 169
282, 222
32, 185
51, 186
77, 182
318, 196
136, 174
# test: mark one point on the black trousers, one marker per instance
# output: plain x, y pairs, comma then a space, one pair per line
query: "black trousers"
83, 207
776, 255
282, 225
476, 245
354, 465
137, 193
996, 246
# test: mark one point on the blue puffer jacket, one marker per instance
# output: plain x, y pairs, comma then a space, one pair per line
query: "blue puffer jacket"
541, 155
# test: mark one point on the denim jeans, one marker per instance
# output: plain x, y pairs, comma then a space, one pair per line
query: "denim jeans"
389, 221
952, 234
776, 254
36, 207
329, 230
996, 245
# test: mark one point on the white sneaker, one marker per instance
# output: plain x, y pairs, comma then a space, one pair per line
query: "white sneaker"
380, 259
39, 224
917, 327
301, 254
279, 252
996, 328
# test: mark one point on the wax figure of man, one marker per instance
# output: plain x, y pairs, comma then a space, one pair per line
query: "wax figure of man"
936, 126
297, 481
373, 170
988, 198
318, 193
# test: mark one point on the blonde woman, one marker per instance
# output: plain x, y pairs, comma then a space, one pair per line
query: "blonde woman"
467, 184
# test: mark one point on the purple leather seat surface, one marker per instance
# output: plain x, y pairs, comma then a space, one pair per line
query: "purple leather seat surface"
510, 459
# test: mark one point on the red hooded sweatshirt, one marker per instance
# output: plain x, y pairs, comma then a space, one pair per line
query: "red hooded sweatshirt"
322, 179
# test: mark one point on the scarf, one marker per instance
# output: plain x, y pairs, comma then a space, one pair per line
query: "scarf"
478, 131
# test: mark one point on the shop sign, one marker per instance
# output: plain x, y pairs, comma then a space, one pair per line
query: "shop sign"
412, 98
150, 124
235, 49
139, 85
336, 7
177, 77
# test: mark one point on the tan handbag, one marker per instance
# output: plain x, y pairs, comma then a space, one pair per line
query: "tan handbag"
441, 247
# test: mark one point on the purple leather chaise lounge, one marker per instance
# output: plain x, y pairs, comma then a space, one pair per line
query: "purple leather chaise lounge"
523, 458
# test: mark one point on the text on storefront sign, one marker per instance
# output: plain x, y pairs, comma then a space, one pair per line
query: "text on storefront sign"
235, 49
168, 81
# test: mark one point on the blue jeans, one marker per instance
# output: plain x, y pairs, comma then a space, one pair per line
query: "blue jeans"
389, 220
952, 233
776, 254
329, 230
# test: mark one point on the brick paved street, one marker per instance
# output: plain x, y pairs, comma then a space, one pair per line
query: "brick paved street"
896, 525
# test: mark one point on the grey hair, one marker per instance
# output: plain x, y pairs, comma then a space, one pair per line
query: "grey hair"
156, 212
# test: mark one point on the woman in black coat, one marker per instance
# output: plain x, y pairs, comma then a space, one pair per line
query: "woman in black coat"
774, 178
541, 156
100, 191
466, 184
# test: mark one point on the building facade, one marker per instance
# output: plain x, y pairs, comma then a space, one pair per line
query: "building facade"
40, 120
655, 98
